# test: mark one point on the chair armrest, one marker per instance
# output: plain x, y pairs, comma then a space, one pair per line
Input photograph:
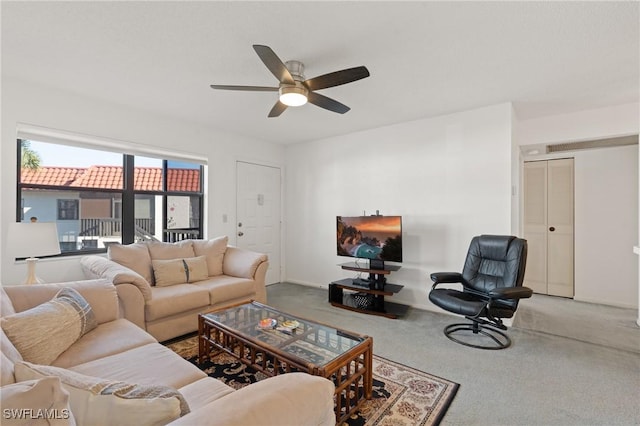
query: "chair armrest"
242, 263
511, 293
286, 399
446, 277
101, 267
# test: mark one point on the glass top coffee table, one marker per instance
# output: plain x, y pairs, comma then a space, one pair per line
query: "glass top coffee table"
276, 342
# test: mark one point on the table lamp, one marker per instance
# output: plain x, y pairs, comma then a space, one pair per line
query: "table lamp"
31, 240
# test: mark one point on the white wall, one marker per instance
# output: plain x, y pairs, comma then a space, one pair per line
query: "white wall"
449, 177
606, 226
618, 120
606, 199
41, 106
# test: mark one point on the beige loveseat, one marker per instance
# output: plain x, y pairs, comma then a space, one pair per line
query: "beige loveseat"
170, 283
115, 373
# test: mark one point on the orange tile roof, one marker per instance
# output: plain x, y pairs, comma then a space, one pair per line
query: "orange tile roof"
110, 177
183, 179
59, 176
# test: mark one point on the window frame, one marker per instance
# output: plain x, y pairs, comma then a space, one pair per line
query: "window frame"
127, 197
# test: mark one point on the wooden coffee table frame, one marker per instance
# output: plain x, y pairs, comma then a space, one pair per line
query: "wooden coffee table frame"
349, 371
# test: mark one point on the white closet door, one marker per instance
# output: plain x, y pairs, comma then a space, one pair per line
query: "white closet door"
560, 225
535, 225
548, 226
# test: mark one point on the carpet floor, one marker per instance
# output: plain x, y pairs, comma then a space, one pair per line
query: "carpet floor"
401, 395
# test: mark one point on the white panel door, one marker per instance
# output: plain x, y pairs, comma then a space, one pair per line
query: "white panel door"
548, 226
560, 224
258, 213
535, 225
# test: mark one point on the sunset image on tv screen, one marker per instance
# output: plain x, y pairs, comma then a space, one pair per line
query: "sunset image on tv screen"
370, 237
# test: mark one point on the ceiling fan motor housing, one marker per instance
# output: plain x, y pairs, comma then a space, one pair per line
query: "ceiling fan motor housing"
296, 69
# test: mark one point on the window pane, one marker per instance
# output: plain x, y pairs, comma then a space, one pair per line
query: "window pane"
183, 176
148, 217
183, 217
86, 220
61, 165
147, 174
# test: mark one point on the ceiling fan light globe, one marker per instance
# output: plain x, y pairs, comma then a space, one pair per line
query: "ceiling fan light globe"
293, 96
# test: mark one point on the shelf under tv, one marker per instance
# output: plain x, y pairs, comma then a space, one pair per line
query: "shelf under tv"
353, 266
342, 293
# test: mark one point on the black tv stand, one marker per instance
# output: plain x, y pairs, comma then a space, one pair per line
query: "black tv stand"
374, 292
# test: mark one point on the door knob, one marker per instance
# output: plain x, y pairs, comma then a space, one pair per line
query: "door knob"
240, 234
552, 229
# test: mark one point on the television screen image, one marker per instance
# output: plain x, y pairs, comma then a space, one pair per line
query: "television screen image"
370, 237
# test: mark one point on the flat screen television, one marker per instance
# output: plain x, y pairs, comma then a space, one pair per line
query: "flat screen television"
377, 238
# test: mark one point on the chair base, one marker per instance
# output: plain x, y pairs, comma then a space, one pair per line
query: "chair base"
502, 341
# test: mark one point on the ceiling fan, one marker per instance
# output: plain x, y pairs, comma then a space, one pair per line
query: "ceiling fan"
294, 88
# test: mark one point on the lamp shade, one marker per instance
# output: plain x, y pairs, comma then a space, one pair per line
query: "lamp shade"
33, 239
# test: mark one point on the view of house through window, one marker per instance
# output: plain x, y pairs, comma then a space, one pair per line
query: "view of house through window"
99, 197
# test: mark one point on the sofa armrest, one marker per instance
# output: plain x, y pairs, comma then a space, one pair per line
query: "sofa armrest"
242, 263
100, 294
101, 267
287, 399
131, 304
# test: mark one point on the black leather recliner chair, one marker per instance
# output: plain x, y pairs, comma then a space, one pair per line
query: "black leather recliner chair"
491, 288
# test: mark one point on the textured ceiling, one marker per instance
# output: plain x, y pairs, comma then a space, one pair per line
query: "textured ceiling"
425, 58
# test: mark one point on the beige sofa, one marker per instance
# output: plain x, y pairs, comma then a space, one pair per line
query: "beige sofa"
165, 294
114, 351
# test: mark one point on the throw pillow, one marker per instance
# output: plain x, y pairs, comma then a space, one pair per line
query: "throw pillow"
134, 256
214, 250
43, 332
179, 271
36, 402
167, 251
96, 401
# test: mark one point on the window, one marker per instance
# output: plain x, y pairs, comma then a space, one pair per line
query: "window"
68, 209
100, 197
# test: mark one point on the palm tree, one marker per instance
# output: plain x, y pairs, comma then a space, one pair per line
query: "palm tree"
30, 159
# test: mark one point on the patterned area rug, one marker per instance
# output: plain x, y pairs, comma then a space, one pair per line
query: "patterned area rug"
402, 396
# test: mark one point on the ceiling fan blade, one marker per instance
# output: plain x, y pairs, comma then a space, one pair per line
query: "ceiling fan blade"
274, 63
245, 88
327, 103
337, 78
277, 109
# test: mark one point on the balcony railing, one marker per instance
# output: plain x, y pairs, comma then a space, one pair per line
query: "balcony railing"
144, 228
112, 227
179, 234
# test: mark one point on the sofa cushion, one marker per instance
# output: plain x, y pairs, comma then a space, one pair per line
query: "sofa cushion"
224, 288
108, 339
214, 250
42, 333
175, 299
134, 256
203, 391
168, 251
10, 355
177, 271
36, 396
97, 401
148, 364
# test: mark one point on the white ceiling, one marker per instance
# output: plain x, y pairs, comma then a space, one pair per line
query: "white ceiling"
425, 58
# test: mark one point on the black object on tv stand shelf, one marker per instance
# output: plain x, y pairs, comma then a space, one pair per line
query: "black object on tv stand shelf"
378, 289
